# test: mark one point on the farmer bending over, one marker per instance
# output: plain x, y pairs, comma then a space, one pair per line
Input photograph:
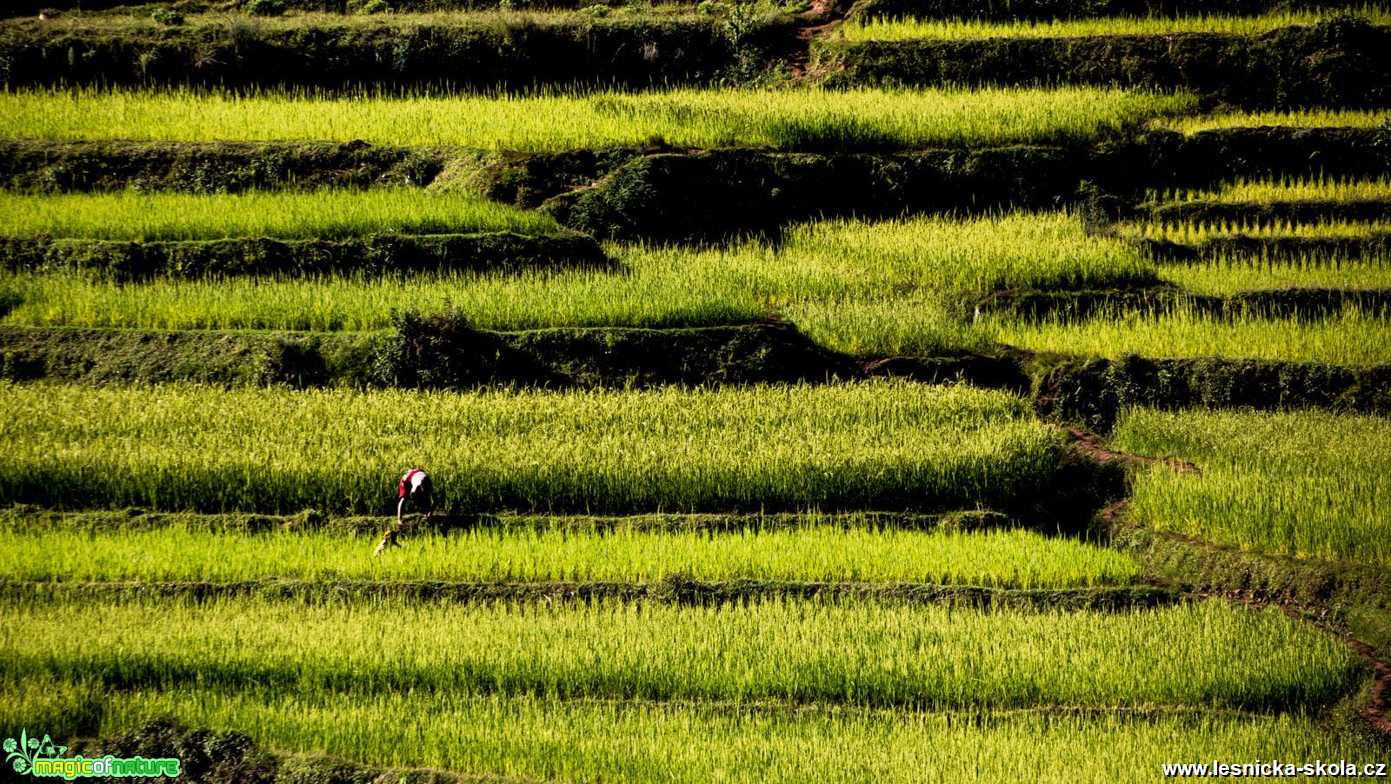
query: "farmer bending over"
415, 487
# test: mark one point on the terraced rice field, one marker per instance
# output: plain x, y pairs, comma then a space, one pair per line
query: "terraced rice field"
695, 742
1313, 271
327, 214
878, 29
1314, 488
864, 445
1349, 337
1309, 118
819, 553
810, 394
783, 118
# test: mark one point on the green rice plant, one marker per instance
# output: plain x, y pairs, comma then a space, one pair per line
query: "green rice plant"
1003, 559
1011, 250
1311, 484
887, 326
656, 291
547, 739
655, 295
1206, 654
564, 121
1229, 275
878, 29
1192, 232
1295, 189
860, 445
326, 214
1309, 118
1353, 337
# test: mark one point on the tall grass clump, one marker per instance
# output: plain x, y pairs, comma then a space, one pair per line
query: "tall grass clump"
1006, 559
861, 653
777, 118
323, 214
1312, 484
859, 445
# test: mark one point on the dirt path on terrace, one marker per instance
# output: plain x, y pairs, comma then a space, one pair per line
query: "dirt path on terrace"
824, 16
1093, 446
1378, 710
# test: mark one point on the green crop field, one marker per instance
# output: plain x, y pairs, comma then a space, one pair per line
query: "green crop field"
1350, 337
785, 651
639, 741
1194, 232
1309, 118
951, 30
1008, 559
328, 214
1312, 484
1267, 191
807, 393
695, 118
864, 287
279, 450
1312, 271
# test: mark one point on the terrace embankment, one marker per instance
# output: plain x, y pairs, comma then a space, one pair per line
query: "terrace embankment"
1370, 244
705, 194
1163, 158
1288, 303
486, 53
33, 7
33, 519
1354, 597
1048, 10
210, 167
1095, 391
501, 251
676, 194
1256, 213
1341, 62
442, 353
673, 590
213, 757
421, 355
1150, 158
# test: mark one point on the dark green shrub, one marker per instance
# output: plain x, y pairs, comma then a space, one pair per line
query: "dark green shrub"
265, 7
167, 16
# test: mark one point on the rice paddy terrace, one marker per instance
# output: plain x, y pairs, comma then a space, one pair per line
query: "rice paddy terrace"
912, 390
